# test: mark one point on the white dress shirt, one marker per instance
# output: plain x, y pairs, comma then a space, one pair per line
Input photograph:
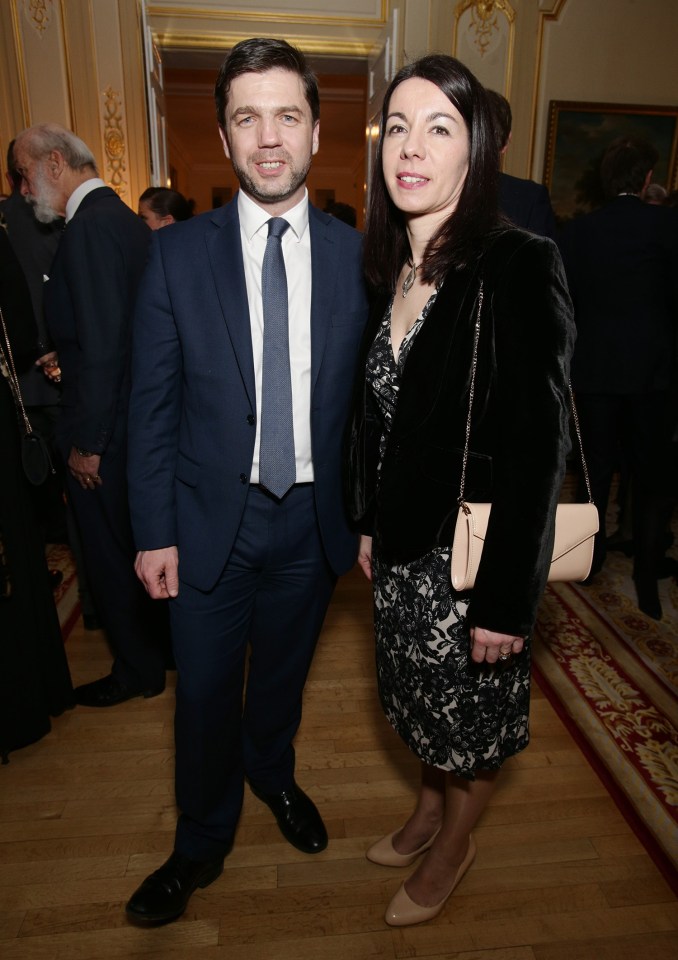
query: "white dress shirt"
79, 195
296, 247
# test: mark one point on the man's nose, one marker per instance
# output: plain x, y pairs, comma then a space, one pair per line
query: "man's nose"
269, 135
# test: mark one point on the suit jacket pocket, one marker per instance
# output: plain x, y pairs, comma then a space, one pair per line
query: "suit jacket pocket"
187, 471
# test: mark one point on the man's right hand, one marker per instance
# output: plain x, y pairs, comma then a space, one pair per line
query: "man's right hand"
158, 570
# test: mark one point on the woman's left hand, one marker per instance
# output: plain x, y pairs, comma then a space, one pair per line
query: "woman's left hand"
490, 646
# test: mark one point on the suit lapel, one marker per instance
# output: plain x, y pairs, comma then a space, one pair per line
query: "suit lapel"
224, 250
324, 257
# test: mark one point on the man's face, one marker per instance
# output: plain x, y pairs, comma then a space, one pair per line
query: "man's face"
38, 186
270, 137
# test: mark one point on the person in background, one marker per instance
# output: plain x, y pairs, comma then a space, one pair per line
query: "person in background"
35, 245
622, 268
35, 682
453, 668
655, 194
342, 211
246, 335
160, 206
524, 202
88, 302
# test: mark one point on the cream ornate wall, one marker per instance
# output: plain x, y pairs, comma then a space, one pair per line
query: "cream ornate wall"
78, 63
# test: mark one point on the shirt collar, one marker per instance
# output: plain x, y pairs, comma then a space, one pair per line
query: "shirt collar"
253, 217
79, 195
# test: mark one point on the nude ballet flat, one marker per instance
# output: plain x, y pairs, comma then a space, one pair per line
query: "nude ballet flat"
384, 853
403, 911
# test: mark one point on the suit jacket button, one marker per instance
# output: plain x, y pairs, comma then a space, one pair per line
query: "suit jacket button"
243, 478
251, 419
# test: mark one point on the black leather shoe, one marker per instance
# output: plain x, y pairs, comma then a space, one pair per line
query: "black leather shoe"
298, 818
108, 691
164, 895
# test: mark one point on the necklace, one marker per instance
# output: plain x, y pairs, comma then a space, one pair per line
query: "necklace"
408, 282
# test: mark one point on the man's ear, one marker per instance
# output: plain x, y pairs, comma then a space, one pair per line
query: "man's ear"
55, 164
648, 181
224, 141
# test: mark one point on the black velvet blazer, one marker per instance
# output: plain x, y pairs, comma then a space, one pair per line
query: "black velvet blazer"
519, 432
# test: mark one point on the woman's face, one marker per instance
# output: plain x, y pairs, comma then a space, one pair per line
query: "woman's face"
152, 219
425, 151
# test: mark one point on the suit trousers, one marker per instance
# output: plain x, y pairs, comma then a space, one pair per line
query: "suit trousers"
634, 427
137, 628
271, 598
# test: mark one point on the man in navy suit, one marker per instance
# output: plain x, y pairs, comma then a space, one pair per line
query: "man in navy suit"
622, 269
88, 304
524, 202
243, 566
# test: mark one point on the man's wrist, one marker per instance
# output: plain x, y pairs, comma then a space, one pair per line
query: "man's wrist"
85, 453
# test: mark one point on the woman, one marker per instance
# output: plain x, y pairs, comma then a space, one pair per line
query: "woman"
453, 670
35, 682
160, 207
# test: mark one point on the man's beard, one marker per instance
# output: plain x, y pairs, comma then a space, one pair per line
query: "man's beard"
40, 200
276, 191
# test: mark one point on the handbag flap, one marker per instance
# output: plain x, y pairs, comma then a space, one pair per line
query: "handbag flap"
577, 522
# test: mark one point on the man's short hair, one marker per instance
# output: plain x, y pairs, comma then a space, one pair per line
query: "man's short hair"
258, 55
625, 166
43, 138
502, 119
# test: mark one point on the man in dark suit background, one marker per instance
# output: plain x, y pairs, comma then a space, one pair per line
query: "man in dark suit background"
622, 268
88, 302
246, 558
524, 202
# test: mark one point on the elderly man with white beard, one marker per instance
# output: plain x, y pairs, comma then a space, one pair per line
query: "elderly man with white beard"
88, 303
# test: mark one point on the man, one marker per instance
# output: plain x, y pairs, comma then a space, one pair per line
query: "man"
235, 478
524, 202
622, 268
88, 303
35, 245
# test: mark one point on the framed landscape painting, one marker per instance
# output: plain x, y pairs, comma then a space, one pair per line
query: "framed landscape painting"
578, 135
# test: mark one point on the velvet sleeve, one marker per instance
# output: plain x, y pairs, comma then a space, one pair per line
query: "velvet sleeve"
527, 302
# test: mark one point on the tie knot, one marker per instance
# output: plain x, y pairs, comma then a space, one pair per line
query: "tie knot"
277, 226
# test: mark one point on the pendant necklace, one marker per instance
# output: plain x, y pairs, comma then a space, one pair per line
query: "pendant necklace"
408, 282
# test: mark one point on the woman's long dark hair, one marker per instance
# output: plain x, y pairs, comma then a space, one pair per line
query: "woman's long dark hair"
460, 240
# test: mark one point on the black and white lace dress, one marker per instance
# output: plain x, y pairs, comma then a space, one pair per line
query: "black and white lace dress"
452, 713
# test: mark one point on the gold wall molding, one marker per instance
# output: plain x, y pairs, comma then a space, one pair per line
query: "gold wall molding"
318, 46
39, 13
549, 14
203, 13
484, 19
114, 141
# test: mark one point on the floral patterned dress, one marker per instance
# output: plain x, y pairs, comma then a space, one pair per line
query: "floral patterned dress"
452, 713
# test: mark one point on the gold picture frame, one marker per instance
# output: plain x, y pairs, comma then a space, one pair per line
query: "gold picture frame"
578, 134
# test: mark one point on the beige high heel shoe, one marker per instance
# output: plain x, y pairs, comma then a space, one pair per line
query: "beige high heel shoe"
403, 911
384, 853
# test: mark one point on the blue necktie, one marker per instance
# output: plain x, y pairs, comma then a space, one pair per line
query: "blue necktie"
277, 465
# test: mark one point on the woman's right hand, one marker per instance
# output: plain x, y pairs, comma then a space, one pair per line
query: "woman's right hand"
365, 556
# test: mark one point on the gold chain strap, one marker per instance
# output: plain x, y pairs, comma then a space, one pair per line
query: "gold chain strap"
13, 378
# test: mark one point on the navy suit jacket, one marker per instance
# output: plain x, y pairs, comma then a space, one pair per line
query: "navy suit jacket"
193, 409
527, 205
89, 301
622, 269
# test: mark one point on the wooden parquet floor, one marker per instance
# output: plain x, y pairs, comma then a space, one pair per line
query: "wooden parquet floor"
87, 812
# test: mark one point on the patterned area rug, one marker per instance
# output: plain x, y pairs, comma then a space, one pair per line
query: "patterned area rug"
612, 674
59, 557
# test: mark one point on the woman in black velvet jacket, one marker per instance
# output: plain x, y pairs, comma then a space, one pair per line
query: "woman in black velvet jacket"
453, 670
